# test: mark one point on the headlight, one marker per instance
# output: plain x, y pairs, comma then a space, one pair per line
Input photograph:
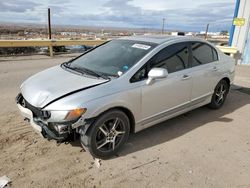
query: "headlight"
74, 114
63, 115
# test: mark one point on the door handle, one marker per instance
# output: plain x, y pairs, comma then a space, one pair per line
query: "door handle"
185, 77
214, 68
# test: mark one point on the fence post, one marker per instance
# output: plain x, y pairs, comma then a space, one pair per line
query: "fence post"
51, 51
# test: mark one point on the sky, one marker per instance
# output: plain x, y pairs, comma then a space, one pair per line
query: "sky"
181, 15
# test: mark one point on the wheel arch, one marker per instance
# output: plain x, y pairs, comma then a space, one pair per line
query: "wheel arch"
227, 80
129, 115
125, 110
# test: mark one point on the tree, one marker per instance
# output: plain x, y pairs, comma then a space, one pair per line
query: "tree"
224, 32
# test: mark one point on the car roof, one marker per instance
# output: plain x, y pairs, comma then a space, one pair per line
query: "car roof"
160, 39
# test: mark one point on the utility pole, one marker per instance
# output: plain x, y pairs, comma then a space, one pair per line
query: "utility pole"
163, 25
49, 23
49, 30
206, 31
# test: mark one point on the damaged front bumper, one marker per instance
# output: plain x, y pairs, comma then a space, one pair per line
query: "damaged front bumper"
49, 130
28, 115
40, 127
43, 122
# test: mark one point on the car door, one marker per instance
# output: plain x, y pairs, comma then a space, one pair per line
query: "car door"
168, 95
205, 71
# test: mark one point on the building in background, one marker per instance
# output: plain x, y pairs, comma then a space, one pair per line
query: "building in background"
240, 31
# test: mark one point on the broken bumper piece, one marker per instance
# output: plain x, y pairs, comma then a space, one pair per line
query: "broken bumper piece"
39, 126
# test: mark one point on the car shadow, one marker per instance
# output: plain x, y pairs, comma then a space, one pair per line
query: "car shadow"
183, 124
242, 89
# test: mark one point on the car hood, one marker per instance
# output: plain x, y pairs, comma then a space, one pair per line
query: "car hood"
54, 83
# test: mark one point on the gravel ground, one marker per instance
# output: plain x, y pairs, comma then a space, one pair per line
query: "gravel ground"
202, 148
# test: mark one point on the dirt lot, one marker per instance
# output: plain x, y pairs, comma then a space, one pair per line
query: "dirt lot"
202, 148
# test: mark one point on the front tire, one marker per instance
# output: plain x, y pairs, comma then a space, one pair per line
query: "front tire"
219, 95
107, 134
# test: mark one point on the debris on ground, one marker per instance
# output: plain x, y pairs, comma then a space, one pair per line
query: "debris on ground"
98, 162
4, 180
145, 164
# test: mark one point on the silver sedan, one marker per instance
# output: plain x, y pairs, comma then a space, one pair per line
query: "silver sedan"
124, 86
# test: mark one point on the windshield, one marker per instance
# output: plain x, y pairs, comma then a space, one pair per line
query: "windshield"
113, 58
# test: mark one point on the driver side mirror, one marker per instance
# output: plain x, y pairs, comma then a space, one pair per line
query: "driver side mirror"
156, 73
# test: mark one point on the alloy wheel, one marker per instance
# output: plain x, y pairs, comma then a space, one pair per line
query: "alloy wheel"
110, 134
220, 94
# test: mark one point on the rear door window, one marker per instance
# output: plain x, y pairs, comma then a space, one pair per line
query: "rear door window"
202, 54
215, 55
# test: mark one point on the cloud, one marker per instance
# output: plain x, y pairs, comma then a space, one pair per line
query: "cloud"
122, 13
17, 6
180, 15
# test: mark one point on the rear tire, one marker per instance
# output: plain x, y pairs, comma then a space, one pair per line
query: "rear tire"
219, 95
107, 134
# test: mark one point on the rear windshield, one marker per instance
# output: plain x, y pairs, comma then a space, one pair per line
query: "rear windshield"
115, 57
